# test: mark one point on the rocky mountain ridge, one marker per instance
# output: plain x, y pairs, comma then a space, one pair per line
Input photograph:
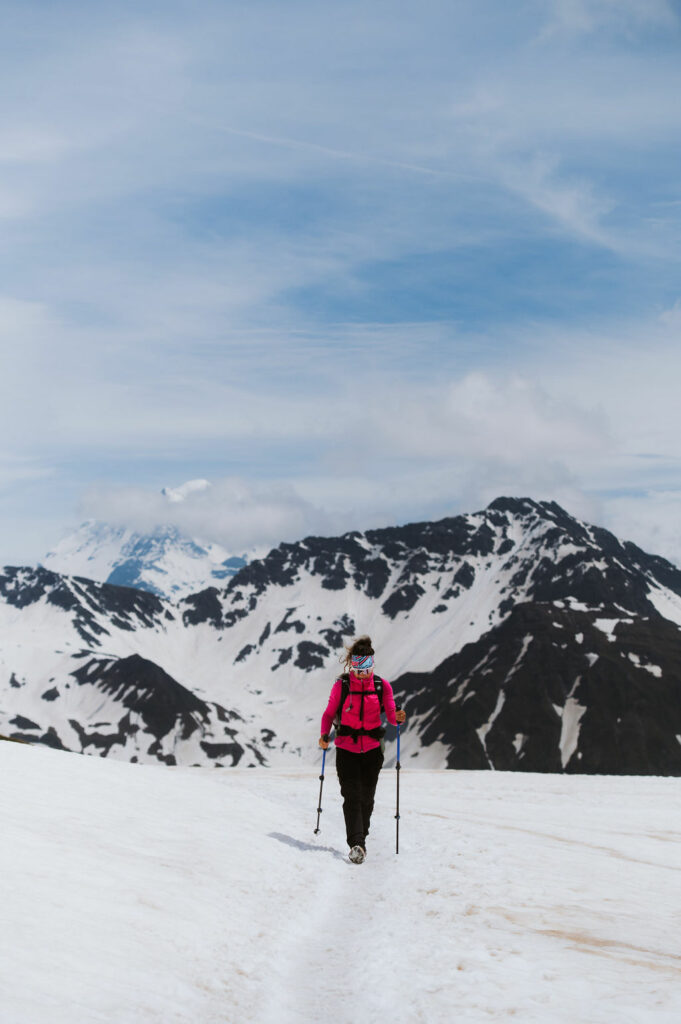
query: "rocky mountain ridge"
517, 637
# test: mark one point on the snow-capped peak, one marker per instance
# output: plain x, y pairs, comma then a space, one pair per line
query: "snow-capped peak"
164, 561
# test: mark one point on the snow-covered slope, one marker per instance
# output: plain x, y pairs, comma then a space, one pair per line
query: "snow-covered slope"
77, 674
133, 893
517, 637
163, 562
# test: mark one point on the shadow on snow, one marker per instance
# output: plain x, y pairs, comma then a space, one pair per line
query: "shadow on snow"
299, 845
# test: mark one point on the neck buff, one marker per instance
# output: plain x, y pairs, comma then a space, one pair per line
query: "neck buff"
362, 663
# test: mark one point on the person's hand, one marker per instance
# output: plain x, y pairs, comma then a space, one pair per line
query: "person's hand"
401, 716
323, 743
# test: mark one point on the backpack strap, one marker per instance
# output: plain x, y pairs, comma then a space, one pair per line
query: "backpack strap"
346, 730
345, 690
378, 686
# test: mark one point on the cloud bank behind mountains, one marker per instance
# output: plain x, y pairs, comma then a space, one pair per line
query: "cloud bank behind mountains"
352, 268
236, 513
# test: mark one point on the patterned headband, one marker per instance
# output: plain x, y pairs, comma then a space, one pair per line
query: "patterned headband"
362, 663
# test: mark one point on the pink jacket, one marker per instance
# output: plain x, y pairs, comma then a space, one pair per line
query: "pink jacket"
371, 718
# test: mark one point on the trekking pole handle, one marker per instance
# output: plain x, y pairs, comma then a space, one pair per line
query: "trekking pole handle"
398, 708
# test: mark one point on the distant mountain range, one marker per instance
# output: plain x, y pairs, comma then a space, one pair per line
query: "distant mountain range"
517, 638
164, 562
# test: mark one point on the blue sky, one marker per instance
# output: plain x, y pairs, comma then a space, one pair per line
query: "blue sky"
351, 263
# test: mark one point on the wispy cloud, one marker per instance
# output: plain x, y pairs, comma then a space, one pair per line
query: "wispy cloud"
238, 513
17, 469
583, 17
286, 245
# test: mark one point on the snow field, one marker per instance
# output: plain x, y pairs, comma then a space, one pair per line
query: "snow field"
147, 894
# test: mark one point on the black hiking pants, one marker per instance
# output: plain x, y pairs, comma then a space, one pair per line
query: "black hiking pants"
358, 775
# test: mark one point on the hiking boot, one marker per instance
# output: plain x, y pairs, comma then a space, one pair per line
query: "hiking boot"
357, 854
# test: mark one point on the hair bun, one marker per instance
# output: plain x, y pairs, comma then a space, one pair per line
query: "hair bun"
362, 645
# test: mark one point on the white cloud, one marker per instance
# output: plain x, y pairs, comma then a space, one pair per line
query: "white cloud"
175, 495
22, 321
191, 198
384, 457
580, 415
671, 318
581, 17
650, 519
629, 376
570, 202
237, 513
503, 417
29, 145
18, 469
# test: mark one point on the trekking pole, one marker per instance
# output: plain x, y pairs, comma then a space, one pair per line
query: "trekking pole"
321, 784
397, 811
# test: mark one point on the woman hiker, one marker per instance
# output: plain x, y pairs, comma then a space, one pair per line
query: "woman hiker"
359, 735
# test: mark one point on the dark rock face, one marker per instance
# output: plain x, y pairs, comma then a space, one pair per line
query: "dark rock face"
221, 751
103, 742
548, 691
311, 656
600, 571
166, 709
140, 685
51, 739
94, 606
365, 561
203, 607
565, 559
342, 629
287, 623
244, 652
24, 723
21, 587
285, 655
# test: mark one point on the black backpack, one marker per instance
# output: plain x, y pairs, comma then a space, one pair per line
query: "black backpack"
345, 730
